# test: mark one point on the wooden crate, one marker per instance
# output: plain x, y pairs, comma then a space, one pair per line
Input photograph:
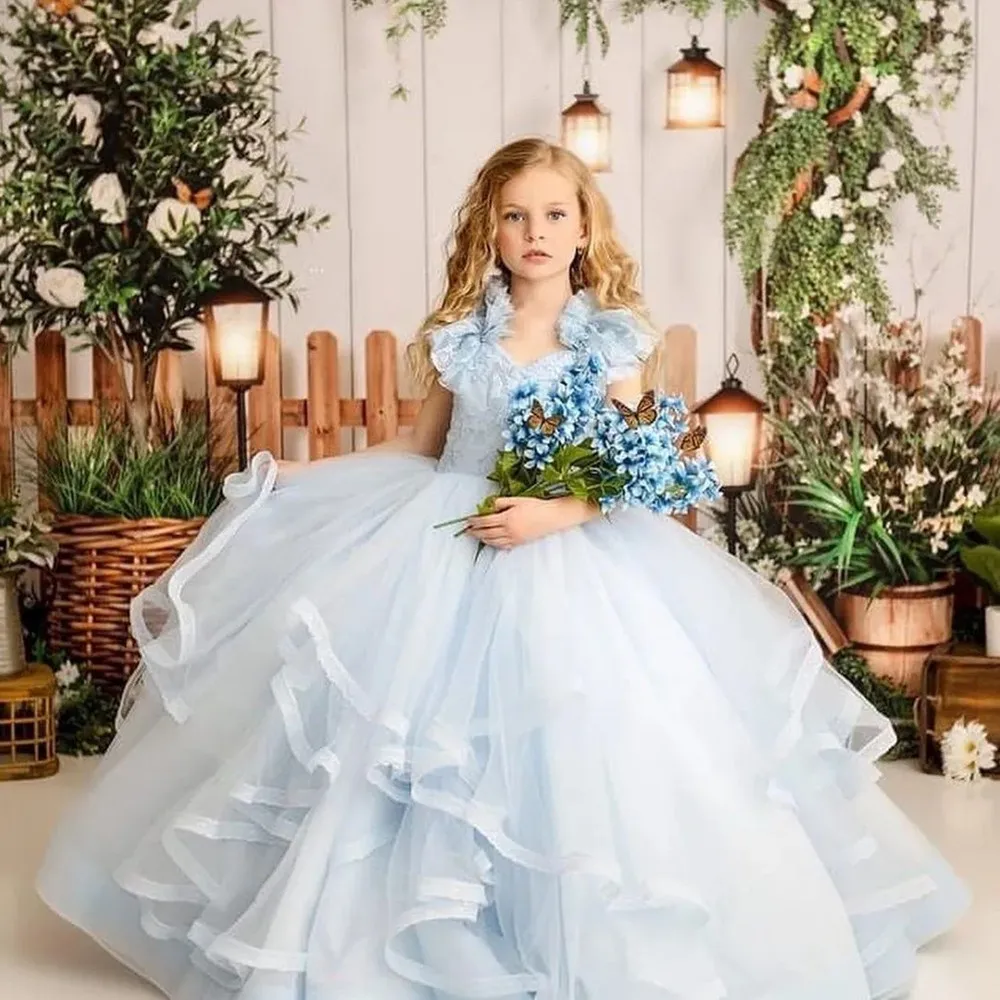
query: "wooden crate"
959, 680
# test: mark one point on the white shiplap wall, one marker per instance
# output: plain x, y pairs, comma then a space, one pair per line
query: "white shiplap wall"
391, 173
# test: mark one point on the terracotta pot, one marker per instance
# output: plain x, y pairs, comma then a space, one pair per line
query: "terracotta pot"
897, 630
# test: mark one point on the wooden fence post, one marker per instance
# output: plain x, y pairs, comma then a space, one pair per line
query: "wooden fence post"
323, 402
264, 404
381, 397
51, 401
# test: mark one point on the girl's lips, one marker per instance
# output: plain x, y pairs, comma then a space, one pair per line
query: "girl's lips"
536, 255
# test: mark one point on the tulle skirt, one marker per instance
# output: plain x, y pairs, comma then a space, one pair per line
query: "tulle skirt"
363, 763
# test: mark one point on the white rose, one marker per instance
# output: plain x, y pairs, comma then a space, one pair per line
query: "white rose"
834, 185
167, 220
108, 199
900, 105
888, 26
892, 160
163, 36
952, 17
926, 10
848, 238
822, 208
887, 86
83, 15
924, 63
86, 110
794, 76
61, 286
879, 178
951, 45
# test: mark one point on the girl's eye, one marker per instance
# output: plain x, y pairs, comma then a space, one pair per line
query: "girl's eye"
511, 216
558, 213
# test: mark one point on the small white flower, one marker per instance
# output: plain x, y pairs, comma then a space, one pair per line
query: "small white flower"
858, 118
794, 77
834, 185
67, 674
61, 286
949, 87
952, 17
887, 87
879, 178
966, 751
108, 199
924, 63
163, 36
847, 239
86, 110
847, 281
822, 207
869, 199
888, 26
803, 9
975, 497
892, 160
168, 219
926, 10
951, 45
900, 105
874, 504
83, 15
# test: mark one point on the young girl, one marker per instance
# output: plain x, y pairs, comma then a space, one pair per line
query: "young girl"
601, 761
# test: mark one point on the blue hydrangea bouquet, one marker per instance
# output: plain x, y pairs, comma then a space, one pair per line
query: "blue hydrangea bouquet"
565, 440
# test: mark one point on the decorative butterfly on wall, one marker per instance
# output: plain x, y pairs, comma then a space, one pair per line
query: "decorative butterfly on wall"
537, 420
646, 413
57, 7
200, 199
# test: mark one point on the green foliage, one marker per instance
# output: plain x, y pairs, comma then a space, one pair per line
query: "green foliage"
888, 698
102, 473
981, 552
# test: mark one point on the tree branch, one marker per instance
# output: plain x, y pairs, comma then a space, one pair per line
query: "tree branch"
774, 5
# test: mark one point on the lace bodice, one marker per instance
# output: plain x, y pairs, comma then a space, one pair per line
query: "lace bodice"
474, 365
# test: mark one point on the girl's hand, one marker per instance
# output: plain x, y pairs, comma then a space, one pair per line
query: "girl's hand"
523, 519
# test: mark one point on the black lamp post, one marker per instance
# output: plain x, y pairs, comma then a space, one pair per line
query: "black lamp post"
236, 318
733, 419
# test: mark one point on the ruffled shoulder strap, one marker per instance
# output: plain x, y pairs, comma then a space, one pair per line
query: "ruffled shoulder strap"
618, 335
455, 347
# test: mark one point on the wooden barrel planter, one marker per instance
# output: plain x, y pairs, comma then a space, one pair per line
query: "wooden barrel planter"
898, 630
102, 563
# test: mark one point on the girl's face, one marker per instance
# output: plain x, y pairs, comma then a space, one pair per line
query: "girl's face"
540, 226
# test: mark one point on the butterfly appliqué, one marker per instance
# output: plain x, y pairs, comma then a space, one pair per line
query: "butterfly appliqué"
537, 420
646, 413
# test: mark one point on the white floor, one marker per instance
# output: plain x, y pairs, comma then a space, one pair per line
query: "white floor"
43, 958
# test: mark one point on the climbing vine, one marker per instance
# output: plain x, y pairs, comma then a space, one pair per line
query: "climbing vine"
809, 213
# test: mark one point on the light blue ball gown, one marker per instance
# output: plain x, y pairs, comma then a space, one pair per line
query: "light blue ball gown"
363, 764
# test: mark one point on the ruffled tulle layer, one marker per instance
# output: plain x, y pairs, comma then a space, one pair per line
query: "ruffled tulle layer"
610, 764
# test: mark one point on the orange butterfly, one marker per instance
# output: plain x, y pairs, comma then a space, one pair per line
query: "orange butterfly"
57, 7
644, 413
692, 440
200, 199
537, 420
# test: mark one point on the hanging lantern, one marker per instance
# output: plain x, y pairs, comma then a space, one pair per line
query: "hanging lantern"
586, 130
694, 90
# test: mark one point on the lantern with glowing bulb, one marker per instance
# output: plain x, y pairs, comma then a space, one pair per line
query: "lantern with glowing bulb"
694, 90
586, 130
236, 318
733, 420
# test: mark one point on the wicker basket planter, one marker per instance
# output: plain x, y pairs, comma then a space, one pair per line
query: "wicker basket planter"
103, 562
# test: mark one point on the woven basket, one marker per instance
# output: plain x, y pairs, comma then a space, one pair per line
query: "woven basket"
103, 562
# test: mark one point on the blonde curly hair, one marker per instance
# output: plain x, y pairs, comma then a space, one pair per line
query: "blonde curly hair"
604, 266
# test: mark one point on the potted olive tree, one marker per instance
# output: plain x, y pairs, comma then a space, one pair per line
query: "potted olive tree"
142, 172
